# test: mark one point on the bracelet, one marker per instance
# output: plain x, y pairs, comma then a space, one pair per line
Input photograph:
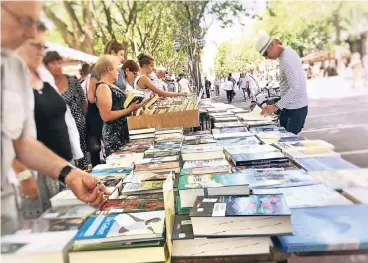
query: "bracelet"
26, 174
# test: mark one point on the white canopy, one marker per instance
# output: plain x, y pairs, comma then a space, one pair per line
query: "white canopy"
71, 54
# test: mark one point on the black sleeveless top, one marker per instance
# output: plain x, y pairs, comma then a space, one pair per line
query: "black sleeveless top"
51, 127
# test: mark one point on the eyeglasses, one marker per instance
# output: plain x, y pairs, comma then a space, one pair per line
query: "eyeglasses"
38, 46
135, 74
265, 54
24, 21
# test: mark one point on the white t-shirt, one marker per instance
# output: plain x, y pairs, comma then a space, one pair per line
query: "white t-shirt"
252, 84
184, 85
229, 85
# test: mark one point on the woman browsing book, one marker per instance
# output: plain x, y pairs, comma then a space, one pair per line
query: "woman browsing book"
143, 82
110, 102
131, 71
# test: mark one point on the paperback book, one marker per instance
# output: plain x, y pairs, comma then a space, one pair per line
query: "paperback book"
146, 176
143, 187
205, 163
158, 167
117, 206
325, 164
244, 142
258, 158
67, 212
205, 170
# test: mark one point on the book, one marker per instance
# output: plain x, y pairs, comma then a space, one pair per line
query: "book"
133, 97
132, 227
146, 176
278, 179
165, 159
306, 144
206, 163
182, 210
142, 136
308, 196
123, 160
67, 224
66, 212
228, 124
197, 133
199, 141
169, 130
142, 187
202, 148
230, 216
267, 128
137, 146
231, 135
158, 167
229, 130
116, 172
186, 246
244, 141
152, 251
36, 247
65, 198
265, 148
156, 153
310, 153
117, 206
170, 137
114, 184
342, 178
330, 228
358, 195
202, 155
170, 145
198, 136
142, 131
250, 124
226, 119
191, 186
254, 115
325, 164
258, 158
205, 170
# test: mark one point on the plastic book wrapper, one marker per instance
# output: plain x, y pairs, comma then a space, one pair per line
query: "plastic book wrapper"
169, 201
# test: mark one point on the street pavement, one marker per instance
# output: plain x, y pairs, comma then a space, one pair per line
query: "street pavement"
337, 114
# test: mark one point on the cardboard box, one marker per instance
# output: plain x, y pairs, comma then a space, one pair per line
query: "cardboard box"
186, 119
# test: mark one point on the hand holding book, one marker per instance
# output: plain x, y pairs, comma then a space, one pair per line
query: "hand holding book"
135, 106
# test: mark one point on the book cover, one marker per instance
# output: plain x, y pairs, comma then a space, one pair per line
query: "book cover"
197, 133
119, 172
228, 124
134, 96
252, 205
265, 148
278, 179
169, 130
63, 212
141, 131
182, 228
182, 210
141, 144
212, 180
197, 136
200, 149
142, 186
205, 170
327, 229
232, 135
117, 206
325, 163
155, 153
142, 136
156, 166
310, 153
202, 155
244, 141
343, 178
258, 158
128, 226
174, 158
229, 130
303, 145
267, 128
200, 141
170, 145
69, 224
146, 176
206, 163
308, 196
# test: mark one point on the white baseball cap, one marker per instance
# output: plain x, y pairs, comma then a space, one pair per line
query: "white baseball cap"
263, 43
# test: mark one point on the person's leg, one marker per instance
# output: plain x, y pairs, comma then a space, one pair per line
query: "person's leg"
248, 91
296, 120
228, 95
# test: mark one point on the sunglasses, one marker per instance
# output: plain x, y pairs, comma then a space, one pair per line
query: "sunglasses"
265, 54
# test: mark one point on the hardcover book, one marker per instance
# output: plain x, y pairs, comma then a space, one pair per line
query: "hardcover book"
258, 158
191, 186
117, 206
330, 228
134, 227
254, 215
134, 96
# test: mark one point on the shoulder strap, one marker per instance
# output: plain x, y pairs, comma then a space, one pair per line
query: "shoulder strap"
136, 82
97, 85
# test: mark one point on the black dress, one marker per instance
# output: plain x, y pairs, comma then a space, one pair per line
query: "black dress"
49, 113
74, 96
115, 133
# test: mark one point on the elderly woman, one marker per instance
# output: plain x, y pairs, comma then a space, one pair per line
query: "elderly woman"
73, 94
110, 101
55, 128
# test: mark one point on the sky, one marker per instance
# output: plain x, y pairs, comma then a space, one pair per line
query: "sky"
217, 35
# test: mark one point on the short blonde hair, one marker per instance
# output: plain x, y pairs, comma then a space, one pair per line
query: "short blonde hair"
103, 64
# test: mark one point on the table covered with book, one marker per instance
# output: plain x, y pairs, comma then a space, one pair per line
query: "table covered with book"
245, 191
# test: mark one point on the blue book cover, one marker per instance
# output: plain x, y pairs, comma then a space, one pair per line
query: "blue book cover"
325, 163
127, 226
112, 171
330, 228
252, 205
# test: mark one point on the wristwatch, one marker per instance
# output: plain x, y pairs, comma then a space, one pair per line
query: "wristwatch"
64, 172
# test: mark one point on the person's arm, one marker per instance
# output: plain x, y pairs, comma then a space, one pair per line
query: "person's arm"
91, 89
292, 80
43, 160
104, 104
28, 186
146, 82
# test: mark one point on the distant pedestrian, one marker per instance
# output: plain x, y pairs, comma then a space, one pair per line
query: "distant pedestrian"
229, 88
242, 84
365, 65
356, 65
217, 86
207, 85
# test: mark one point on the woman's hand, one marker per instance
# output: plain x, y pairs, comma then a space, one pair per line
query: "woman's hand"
29, 188
135, 106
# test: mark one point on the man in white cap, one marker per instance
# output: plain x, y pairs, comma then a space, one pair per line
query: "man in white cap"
294, 99
158, 78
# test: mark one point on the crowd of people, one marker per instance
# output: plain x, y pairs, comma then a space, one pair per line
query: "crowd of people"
51, 120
